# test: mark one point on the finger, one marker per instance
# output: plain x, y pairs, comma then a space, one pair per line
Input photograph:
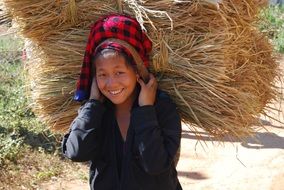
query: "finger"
151, 76
152, 81
155, 83
141, 82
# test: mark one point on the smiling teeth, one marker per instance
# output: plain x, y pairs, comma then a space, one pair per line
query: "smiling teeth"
116, 92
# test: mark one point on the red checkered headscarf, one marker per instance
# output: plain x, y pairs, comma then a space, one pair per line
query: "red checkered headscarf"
119, 32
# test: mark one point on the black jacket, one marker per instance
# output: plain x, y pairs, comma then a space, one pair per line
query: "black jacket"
152, 142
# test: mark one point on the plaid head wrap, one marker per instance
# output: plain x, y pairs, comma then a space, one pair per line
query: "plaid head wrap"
121, 33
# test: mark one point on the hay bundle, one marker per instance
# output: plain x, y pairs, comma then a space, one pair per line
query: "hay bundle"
208, 56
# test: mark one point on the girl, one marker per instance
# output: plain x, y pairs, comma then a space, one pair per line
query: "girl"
127, 129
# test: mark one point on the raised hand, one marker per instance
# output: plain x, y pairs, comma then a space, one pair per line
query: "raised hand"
95, 92
148, 91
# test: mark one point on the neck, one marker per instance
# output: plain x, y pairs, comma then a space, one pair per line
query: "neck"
122, 109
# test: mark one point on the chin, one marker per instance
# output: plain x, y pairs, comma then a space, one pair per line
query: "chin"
120, 100
116, 100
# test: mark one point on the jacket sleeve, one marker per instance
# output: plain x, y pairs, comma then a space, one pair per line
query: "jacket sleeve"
83, 141
157, 135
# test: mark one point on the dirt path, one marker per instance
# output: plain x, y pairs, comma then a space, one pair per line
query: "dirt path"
255, 165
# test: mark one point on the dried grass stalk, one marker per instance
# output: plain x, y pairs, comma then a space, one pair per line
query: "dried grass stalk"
209, 57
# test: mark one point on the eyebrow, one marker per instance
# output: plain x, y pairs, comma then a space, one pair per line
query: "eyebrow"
116, 67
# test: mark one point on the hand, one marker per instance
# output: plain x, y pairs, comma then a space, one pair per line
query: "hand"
95, 92
148, 91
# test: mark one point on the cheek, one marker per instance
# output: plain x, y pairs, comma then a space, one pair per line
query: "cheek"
101, 84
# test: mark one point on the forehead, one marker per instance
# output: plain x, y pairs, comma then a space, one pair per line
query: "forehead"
111, 62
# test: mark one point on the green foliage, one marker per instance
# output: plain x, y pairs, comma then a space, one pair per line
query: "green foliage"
43, 175
9, 147
272, 23
19, 128
10, 47
10, 42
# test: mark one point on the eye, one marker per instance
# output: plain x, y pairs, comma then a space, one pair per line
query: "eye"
101, 75
119, 73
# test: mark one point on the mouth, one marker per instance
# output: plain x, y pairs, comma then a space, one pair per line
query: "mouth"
116, 92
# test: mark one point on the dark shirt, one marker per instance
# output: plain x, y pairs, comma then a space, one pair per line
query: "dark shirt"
119, 147
145, 161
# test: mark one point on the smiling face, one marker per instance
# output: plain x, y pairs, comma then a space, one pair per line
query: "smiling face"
116, 79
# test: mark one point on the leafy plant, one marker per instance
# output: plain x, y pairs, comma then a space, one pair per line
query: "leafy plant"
9, 147
19, 127
272, 23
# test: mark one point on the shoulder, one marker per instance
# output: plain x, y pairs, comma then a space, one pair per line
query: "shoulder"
167, 111
164, 101
163, 96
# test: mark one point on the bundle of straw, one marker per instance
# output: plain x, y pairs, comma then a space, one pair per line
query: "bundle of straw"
208, 55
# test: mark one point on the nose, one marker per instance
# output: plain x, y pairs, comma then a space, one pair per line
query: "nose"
111, 81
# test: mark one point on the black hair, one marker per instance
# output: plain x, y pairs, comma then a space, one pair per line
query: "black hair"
108, 52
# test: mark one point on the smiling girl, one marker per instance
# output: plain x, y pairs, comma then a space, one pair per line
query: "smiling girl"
128, 129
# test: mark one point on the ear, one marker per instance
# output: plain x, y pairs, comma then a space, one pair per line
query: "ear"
137, 76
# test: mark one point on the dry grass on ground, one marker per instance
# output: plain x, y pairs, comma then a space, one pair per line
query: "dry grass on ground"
35, 168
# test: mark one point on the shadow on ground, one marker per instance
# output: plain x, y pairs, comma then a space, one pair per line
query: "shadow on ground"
192, 175
260, 140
